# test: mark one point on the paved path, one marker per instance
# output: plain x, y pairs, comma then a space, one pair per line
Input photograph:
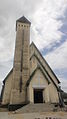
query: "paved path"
4, 115
42, 115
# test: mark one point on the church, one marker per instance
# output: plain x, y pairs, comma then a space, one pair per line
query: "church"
31, 79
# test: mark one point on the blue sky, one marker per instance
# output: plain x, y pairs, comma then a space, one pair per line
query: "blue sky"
48, 32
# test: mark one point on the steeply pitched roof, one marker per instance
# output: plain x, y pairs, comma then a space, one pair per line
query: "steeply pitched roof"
7, 76
46, 71
45, 62
38, 67
23, 20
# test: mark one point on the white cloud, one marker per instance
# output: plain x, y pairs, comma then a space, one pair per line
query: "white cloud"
10, 11
46, 25
58, 58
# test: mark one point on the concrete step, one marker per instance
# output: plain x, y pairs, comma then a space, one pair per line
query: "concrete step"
41, 107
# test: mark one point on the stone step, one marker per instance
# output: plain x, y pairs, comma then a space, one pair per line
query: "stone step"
36, 108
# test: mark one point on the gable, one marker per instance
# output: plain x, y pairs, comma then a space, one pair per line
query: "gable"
35, 51
39, 80
34, 72
45, 72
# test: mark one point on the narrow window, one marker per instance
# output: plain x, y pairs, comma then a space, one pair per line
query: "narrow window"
20, 84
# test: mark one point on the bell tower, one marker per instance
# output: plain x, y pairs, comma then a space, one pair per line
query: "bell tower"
21, 62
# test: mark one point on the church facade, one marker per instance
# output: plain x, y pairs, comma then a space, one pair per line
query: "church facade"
31, 80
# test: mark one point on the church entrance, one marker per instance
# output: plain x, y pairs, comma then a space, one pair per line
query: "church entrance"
38, 96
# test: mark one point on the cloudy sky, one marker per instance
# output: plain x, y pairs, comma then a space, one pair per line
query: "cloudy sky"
48, 32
